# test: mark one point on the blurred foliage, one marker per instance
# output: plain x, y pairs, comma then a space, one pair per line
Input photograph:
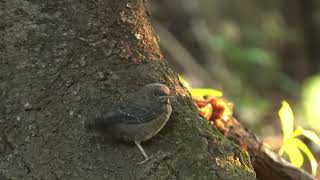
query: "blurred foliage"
259, 51
248, 52
311, 102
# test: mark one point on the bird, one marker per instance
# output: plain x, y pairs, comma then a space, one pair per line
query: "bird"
138, 118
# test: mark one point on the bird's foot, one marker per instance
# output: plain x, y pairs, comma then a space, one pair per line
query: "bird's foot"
142, 162
145, 160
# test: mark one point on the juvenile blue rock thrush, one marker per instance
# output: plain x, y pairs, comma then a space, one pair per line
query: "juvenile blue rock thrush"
140, 117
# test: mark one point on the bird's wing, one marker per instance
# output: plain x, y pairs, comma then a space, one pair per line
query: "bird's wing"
122, 114
131, 114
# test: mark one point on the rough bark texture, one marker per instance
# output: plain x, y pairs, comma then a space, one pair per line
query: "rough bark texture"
61, 61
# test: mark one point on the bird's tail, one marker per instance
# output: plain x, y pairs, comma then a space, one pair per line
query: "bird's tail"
98, 123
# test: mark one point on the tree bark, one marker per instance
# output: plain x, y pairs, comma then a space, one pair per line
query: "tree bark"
60, 63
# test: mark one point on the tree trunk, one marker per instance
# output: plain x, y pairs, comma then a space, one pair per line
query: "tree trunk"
60, 63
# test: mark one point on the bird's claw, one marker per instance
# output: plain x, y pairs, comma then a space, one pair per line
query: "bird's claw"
142, 162
145, 160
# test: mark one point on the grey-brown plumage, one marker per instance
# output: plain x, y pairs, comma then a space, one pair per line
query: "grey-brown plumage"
139, 118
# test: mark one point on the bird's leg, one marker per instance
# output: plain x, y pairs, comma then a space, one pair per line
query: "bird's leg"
142, 151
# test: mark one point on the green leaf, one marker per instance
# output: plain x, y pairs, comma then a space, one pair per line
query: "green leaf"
297, 132
304, 148
286, 117
307, 133
295, 155
205, 92
312, 136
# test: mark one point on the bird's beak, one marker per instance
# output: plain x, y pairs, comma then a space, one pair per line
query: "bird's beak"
165, 98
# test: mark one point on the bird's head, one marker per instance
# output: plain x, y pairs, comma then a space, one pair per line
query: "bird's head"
155, 92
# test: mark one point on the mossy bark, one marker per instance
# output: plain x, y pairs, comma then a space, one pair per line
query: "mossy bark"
60, 63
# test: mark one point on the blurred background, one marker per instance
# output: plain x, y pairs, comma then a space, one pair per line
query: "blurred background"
256, 52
